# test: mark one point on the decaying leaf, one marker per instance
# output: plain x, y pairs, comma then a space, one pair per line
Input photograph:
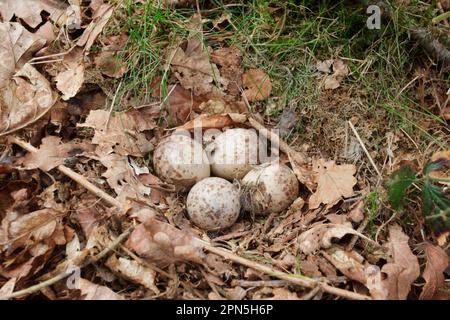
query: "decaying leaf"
437, 262
120, 175
402, 267
162, 243
340, 72
133, 271
257, 85
24, 100
357, 213
229, 61
121, 133
321, 235
193, 68
334, 182
349, 263
92, 291
53, 152
108, 61
30, 11
16, 46
29, 229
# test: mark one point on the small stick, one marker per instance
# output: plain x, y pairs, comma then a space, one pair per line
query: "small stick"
63, 275
74, 176
364, 148
303, 281
260, 283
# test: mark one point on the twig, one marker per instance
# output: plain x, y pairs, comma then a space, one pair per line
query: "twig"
260, 283
301, 281
74, 176
63, 275
360, 229
113, 102
364, 148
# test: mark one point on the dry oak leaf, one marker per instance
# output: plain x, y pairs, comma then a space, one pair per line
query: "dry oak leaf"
53, 153
257, 85
437, 262
120, 176
30, 11
133, 271
402, 267
92, 291
334, 182
25, 99
162, 243
349, 263
193, 68
121, 133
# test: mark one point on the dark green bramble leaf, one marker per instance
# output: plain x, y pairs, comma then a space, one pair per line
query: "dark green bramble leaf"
434, 199
398, 184
434, 165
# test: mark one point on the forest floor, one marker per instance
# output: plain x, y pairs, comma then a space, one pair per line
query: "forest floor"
89, 88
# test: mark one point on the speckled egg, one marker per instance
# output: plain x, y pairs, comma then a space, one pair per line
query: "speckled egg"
213, 204
233, 153
180, 160
269, 188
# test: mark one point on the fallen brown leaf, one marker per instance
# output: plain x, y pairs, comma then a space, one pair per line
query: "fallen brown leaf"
257, 85
437, 262
333, 183
25, 99
357, 213
108, 61
30, 11
133, 271
121, 133
53, 153
100, 18
340, 72
402, 267
92, 291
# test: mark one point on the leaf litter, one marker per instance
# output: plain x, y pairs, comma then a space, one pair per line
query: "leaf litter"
115, 202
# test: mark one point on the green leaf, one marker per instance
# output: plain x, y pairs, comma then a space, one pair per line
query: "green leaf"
434, 165
398, 185
434, 199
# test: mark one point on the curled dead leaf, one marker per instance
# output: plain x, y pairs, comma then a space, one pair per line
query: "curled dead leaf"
134, 271
26, 98
437, 263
